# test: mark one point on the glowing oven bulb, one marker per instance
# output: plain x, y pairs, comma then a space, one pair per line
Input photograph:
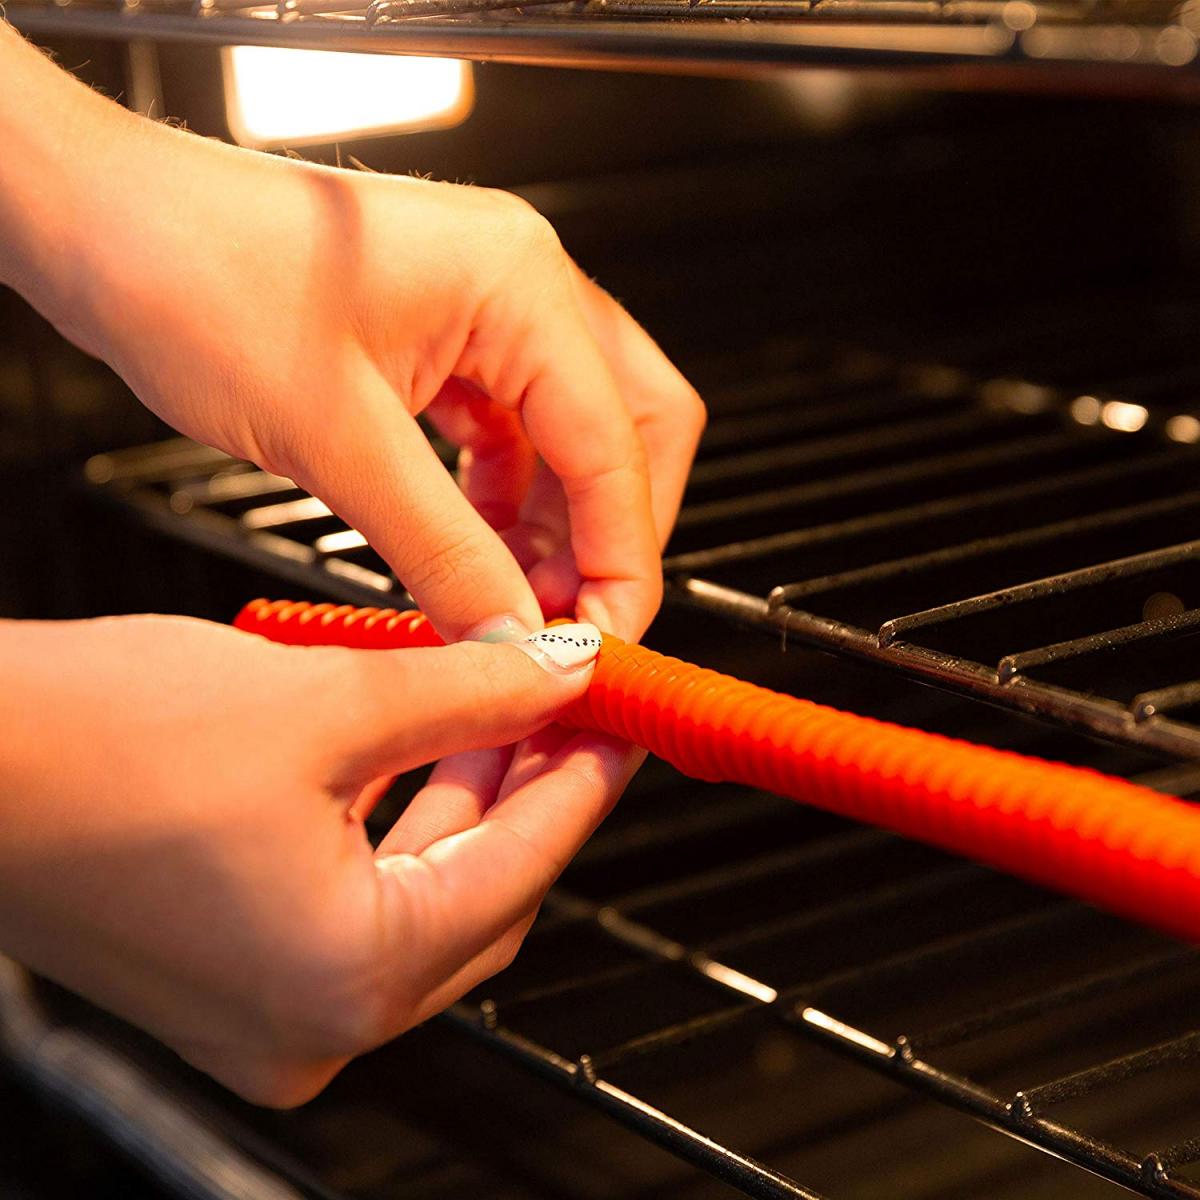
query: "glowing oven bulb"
278, 97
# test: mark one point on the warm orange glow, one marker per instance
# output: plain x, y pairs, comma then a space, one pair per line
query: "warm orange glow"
1123, 416
279, 97
1184, 428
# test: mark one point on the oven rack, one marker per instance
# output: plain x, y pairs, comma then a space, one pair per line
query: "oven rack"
904, 942
1134, 38
1028, 543
999, 455
1047, 970
1040, 550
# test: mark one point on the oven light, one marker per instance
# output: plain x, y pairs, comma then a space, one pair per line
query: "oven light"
278, 97
1183, 428
1086, 410
1123, 416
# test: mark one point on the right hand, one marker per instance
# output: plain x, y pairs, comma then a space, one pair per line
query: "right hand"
303, 317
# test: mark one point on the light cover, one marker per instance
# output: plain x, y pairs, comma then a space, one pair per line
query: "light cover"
277, 97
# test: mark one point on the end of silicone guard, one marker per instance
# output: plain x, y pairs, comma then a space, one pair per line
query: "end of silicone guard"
248, 615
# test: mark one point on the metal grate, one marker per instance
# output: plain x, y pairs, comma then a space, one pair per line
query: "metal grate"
1031, 539
1015, 538
1043, 1018
1017, 521
1120, 34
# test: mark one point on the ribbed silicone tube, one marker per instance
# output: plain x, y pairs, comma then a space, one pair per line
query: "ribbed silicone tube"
1119, 846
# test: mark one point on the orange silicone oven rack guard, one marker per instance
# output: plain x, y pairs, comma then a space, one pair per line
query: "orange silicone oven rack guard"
1106, 841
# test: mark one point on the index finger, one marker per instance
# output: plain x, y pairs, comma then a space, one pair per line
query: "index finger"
387, 481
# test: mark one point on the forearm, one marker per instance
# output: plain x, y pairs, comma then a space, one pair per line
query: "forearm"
81, 829
84, 827
57, 136
101, 209
95, 202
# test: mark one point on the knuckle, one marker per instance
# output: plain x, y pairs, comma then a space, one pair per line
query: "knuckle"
530, 233
508, 952
542, 865
687, 410
270, 1080
542, 236
486, 681
510, 945
282, 1086
509, 203
491, 673
655, 591
693, 410
449, 570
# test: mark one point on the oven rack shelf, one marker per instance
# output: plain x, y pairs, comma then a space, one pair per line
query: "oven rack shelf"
883, 479
1150, 39
1008, 925
1025, 542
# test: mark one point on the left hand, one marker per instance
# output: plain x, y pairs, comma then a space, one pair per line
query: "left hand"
181, 831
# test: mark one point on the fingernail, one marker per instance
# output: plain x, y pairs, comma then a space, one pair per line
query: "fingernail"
497, 629
563, 649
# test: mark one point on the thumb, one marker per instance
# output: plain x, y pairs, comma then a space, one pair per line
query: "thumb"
400, 709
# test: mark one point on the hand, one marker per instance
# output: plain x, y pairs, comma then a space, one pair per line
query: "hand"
182, 814
302, 317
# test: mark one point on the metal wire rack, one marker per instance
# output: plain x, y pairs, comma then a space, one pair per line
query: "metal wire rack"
1030, 540
1016, 521
1134, 35
1015, 538
876, 934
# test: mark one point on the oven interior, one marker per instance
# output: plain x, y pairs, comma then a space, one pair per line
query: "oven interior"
948, 345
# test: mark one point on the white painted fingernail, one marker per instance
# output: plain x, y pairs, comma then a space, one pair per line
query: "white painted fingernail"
563, 648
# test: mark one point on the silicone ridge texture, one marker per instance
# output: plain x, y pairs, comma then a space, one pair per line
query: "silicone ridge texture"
1104, 840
